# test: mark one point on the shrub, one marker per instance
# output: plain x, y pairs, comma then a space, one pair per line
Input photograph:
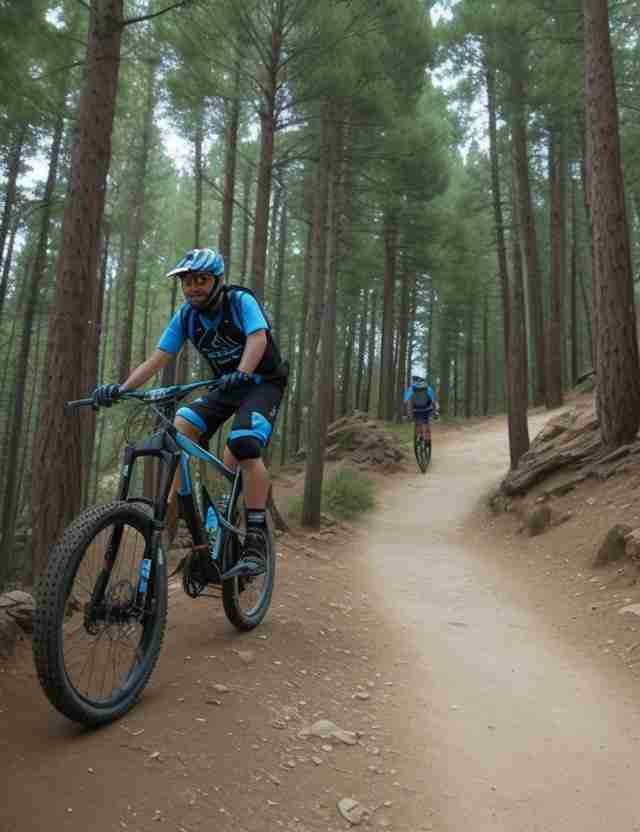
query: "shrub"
345, 494
348, 493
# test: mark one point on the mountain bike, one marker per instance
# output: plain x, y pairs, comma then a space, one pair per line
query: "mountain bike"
101, 603
421, 448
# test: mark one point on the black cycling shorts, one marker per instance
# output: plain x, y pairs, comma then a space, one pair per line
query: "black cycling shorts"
253, 406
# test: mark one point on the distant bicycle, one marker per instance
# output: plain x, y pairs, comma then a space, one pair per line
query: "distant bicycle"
421, 447
102, 599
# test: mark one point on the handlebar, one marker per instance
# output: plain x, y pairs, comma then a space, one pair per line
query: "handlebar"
161, 395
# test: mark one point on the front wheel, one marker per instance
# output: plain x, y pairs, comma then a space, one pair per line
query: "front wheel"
246, 600
101, 608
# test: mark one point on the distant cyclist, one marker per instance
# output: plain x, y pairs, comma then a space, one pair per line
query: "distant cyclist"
422, 401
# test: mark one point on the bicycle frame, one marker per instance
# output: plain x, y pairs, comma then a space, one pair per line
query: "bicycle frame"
174, 450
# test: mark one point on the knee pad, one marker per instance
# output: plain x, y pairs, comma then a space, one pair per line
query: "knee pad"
244, 446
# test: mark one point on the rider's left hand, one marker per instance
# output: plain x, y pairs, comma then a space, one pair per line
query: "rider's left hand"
105, 395
235, 379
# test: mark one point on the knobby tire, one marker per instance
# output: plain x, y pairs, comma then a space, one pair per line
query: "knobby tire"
237, 593
61, 614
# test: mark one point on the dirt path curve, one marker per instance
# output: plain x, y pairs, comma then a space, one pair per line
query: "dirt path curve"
471, 713
518, 732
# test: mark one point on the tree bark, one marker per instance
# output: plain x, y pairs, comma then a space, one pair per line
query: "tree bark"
444, 356
268, 119
137, 214
403, 334
314, 468
486, 364
557, 171
496, 194
347, 362
6, 266
526, 219
371, 352
362, 343
57, 454
230, 165
576, 282
13, 169
246, 224
280, 269
517, 367
318, 268
298, 419
198, 177
617, 370
469, 362
385, 395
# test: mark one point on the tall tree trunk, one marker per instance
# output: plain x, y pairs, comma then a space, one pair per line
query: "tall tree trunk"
469, 362
575, 353
272, 256
618, 373
268, 119
496, 194
347, 369
280, 269
444, 356
246, 224
57, 452
486, 364
6, 266
318, 268
314, 468
13, 170
557, 170
137, 211
198, 177
298, 416
412, 330
430, 339
517, 367
385, 396
403, 332
371, 352
362, 343
526, 219
232, 110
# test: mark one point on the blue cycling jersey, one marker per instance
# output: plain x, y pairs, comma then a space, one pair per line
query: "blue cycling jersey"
246, 312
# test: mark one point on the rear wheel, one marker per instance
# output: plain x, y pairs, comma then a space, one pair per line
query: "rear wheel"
422, 448
101, 613
246, 600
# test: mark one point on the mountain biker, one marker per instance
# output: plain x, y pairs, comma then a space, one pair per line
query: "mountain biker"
422, 400
228, 327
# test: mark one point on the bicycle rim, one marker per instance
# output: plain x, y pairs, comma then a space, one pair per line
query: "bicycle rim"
98, 635
246, 600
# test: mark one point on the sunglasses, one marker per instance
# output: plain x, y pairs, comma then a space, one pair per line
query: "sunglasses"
195, 279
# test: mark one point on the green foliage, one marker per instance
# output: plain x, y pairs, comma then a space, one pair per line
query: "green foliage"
345, 494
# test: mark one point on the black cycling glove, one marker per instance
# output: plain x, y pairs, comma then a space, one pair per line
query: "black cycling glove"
234, 379
105, 395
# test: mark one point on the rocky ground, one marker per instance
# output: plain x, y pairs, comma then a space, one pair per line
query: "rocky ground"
437, 666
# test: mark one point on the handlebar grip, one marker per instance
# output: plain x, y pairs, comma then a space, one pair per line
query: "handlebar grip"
78, 403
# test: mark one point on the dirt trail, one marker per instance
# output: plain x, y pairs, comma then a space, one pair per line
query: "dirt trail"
472, 711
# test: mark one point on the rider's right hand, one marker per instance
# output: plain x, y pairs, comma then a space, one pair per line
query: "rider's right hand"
105, 395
